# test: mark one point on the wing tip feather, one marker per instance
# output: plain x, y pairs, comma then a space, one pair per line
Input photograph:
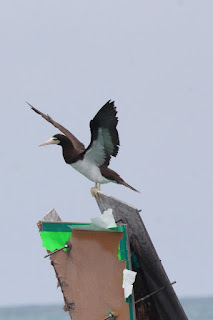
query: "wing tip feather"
33, 108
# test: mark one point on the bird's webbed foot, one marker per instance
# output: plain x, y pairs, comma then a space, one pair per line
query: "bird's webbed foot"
94, 190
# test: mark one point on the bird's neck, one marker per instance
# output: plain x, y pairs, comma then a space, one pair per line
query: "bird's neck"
70, 154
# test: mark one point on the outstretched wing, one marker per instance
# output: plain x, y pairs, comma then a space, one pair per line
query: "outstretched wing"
104, 136
76, 143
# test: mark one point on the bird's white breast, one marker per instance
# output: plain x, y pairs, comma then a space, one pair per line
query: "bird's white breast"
89, 170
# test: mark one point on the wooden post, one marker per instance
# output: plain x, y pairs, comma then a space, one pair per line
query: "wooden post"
160, 301
163, 305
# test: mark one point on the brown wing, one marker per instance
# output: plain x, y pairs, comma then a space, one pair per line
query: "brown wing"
76, 143
104, 136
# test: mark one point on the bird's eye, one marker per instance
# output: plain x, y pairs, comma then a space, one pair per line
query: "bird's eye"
55, 139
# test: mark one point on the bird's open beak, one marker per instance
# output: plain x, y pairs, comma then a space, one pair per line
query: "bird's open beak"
50, 141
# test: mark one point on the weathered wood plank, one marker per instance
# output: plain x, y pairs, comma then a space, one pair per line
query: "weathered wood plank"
50, 216
153, 275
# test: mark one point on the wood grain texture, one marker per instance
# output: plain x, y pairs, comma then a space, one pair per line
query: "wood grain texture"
91, 275
50, 216
165, 304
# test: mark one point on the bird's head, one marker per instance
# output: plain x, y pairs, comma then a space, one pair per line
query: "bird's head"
56, 139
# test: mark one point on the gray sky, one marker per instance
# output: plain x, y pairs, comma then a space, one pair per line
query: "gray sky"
67, 58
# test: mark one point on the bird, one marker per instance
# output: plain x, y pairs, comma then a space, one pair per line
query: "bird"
94, 160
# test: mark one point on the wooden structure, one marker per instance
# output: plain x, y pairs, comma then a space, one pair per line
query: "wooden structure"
151, 276
154, 295
90, 273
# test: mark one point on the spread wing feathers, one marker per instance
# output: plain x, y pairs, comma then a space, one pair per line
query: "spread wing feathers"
104, 136
76, 143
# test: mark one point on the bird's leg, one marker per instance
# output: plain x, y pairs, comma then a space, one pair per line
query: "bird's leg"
94, 190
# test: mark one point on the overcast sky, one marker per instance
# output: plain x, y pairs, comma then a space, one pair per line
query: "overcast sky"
67, 58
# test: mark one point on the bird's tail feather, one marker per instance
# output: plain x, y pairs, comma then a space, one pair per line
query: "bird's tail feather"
128, 186
114, 177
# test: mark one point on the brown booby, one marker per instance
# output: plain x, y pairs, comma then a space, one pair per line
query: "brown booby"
93, 161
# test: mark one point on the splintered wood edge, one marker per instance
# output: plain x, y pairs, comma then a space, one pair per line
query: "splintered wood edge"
51, 216
118, 200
